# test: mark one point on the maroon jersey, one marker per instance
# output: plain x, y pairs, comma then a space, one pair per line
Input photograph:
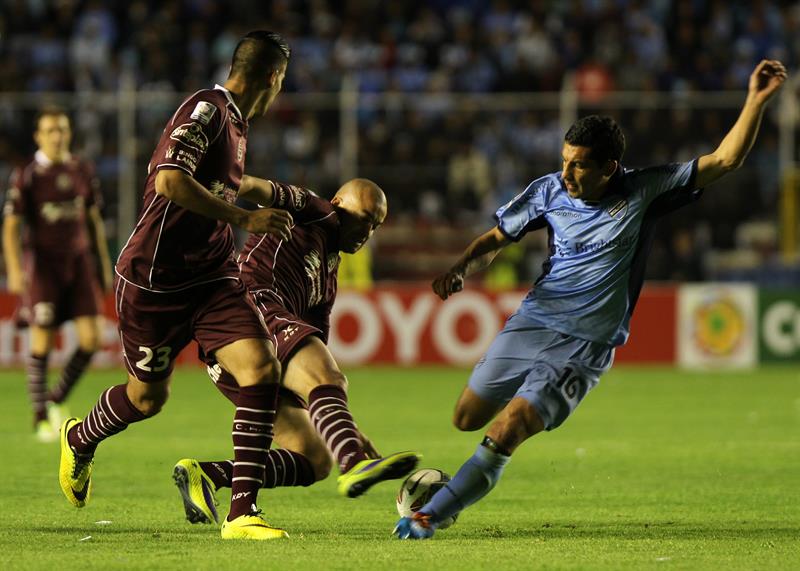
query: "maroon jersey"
172, 248
52, 199
301, 274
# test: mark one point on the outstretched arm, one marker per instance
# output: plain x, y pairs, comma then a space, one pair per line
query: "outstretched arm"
478, 255
765, 81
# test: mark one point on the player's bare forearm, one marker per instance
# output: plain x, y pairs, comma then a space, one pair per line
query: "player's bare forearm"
186, 192
765, 81
12, 252
257, 190
477, 257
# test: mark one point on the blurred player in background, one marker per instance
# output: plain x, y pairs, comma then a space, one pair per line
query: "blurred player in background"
294, 284
61, 266
177, 280
600, 219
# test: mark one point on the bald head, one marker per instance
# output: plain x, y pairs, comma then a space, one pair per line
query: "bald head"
361, 205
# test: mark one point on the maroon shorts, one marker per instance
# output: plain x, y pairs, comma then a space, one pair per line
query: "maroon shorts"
155, 327
61, 289
286, 331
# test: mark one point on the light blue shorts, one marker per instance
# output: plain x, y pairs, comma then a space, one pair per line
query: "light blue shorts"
551, 370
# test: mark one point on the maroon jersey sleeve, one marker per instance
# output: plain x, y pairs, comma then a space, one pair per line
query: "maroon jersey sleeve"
15, 195
304, 205
193, 128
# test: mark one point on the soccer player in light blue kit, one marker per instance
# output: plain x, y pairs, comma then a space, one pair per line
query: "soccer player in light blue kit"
600, 219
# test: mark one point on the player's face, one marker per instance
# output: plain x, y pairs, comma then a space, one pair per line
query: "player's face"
274, 86
584, 177
53, 136
358, 223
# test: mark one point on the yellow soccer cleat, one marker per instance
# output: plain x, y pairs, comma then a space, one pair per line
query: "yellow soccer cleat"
197, 491
75, 470
251, 526
367, 473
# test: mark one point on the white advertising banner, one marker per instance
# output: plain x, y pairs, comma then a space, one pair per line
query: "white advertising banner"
717, 325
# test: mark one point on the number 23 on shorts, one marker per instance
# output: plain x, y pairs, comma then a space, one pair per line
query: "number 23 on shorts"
161, 356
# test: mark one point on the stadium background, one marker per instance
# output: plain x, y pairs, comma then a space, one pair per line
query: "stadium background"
453, 106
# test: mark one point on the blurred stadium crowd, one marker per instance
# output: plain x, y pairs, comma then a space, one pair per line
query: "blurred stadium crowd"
440, 158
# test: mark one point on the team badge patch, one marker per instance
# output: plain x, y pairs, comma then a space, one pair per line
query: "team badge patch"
618, 210
63, 182
203, 112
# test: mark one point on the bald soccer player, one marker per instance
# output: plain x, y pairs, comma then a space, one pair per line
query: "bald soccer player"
293, 284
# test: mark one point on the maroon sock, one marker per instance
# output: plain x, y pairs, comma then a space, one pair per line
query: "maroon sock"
252, 437
70, 375
327, 405
284, 468
112, 414
220, 472
37, 386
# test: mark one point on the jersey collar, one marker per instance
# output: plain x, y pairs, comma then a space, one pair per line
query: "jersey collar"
230, 99
45, 161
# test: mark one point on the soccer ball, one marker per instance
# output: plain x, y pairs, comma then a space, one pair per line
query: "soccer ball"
417, 489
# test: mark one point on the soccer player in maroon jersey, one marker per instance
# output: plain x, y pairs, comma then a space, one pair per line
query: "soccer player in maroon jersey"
62, 266
177, 280
294, 285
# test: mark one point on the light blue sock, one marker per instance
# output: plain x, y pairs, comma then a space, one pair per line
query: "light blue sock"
474, 479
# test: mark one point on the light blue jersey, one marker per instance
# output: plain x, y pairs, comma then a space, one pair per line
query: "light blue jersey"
592, 279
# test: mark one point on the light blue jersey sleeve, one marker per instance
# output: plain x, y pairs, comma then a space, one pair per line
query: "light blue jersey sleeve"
658, 180
525, 212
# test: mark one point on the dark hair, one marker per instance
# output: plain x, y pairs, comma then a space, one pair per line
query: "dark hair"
259, 53
49, 111
601, 134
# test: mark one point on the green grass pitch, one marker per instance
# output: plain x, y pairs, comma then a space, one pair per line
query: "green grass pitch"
658, 469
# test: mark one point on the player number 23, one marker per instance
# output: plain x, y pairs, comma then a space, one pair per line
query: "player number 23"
161, 354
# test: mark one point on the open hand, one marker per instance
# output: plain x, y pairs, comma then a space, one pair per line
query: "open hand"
270, 221
766, 79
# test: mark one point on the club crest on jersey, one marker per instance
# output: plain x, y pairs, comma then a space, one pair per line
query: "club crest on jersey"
63, 182
203, 112
618, 210
223, 191
190, 134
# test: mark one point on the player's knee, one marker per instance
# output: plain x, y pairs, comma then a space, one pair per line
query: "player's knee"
266, 372
337, 378
322, 463
150, 403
